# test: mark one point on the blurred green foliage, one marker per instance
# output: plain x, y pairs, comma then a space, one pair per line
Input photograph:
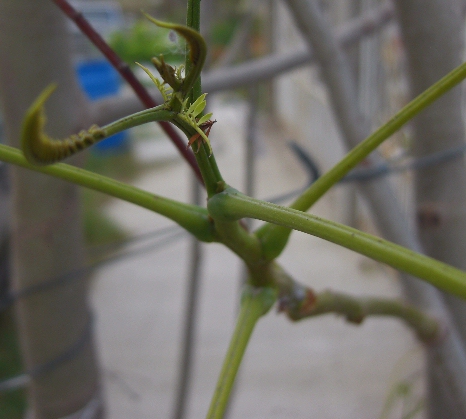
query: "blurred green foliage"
222, 31
144, 40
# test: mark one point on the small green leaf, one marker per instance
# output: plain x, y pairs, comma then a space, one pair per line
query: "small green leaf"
152, 77
196, 103
205, 118
199, 108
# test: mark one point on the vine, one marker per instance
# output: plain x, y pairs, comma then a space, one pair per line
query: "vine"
184, 105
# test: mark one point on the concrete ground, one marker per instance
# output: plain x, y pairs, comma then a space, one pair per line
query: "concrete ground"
321, 368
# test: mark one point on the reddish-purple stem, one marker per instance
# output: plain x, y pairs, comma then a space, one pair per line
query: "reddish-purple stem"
129, 76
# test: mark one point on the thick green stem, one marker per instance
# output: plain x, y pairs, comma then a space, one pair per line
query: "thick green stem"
254, 304
192, 218
232, 205
274, 238
248, 248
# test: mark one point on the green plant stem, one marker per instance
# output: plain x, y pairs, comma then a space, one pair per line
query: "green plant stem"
254, 304
193, 16
232, 205
231, 234
157, 114
193, 20
356, 309
274, 237
360, 152
248, 248
192, 218
299, 302
207, 163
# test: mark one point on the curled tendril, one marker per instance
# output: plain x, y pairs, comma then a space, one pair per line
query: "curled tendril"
39, 148
197, 56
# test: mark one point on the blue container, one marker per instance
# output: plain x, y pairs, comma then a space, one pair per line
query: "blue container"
99, 79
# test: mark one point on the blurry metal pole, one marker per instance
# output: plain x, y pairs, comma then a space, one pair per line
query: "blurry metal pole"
449, 354
240, 38
207, 18
272, 65
5, 270
433, 35
188, 344
251, 145
46, 223
250, 154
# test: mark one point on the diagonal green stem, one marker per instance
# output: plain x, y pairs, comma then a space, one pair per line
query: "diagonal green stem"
232, 205
254, 304
274, 237
360, 152
156, 114
192, 218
